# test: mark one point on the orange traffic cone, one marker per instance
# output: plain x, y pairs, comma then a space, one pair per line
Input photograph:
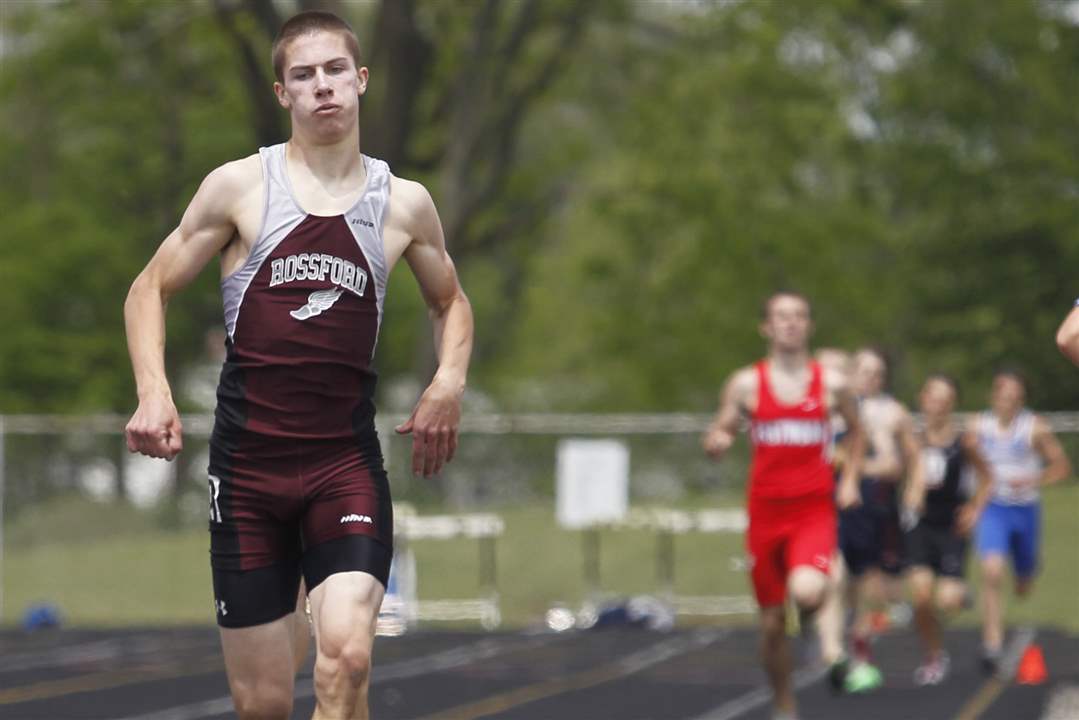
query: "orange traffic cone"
1032, 669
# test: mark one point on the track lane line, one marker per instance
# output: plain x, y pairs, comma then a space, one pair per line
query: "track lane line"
305, 688
47, 689
629, 665
988, 693
762, 695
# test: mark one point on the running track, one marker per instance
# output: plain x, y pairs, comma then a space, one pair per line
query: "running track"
690, 674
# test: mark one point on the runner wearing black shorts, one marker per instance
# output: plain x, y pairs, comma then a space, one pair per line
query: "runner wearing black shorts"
869, 534
940, 514
307, 233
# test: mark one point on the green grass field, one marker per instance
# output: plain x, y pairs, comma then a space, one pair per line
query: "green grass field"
108, 565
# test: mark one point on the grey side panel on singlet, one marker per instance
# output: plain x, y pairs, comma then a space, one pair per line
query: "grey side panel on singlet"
280, 216
366, 220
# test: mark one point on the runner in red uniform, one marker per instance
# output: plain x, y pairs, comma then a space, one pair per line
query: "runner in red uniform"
791, 539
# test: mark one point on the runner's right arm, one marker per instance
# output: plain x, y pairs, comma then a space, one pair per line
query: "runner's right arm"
719, 436
206, 228
970, 511
914, 492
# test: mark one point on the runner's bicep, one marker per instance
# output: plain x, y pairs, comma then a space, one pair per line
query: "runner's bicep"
732, 404
426, 255
180, 258
205, 229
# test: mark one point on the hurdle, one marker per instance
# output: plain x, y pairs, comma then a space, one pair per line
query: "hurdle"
668, 524
402, 609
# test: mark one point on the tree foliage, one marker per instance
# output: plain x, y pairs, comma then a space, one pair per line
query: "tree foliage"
621, 183
909, 166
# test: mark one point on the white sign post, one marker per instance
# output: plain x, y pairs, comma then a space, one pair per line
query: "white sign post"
592, 489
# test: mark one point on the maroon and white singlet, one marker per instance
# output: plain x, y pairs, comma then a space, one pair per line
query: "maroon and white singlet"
296, 473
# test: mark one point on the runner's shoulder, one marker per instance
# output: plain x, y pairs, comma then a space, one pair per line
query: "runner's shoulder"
411, 205
743, 381
835, 381
741, 389
232, 181
897, 413
1041, 426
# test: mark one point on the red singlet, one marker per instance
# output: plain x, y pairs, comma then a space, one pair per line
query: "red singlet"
790, 442
792, 516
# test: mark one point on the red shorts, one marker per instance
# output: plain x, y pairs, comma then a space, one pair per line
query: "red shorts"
784, 534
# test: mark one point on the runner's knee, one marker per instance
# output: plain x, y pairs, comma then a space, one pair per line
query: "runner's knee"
993, 571
261, 701
949, 599
808, 588
342, 663
921, 596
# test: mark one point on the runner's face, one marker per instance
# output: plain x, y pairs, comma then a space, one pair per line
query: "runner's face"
937, 399
1008, 396
788, 325
835, 361
322, 85
868, 374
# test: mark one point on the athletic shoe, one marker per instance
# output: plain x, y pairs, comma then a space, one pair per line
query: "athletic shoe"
990, 661
863, 677
837, 674
934, 671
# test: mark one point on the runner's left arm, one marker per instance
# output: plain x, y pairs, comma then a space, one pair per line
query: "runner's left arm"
1057, 465
435, 421
1068, 335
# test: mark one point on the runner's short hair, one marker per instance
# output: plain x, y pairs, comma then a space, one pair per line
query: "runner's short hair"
944, 378
875, 351
306, 23
1012, 372
766, 306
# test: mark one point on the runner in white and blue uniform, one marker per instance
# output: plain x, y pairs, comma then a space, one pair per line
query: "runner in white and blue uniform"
1024, 455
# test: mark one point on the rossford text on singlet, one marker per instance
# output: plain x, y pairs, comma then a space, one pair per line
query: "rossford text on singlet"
317, 266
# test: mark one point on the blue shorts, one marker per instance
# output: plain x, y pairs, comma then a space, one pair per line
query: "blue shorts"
1013, 530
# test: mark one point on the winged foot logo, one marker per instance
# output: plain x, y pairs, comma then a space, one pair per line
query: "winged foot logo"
317, 302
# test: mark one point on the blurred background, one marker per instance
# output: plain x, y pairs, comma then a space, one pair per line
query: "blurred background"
621, 184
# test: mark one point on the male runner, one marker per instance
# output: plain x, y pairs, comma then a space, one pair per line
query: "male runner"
1024, 455
869, 535
307, 233
791, 539
943, 517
